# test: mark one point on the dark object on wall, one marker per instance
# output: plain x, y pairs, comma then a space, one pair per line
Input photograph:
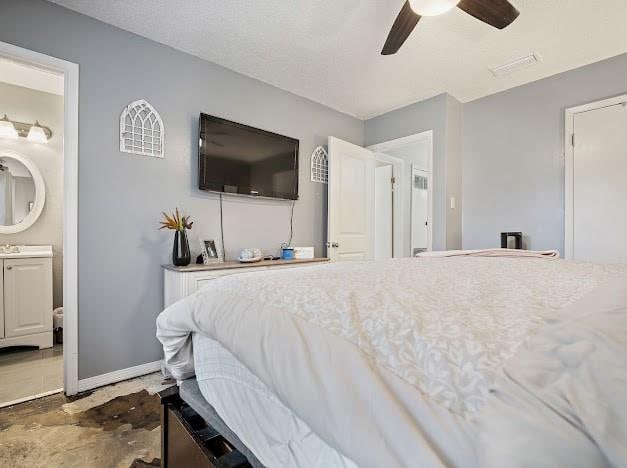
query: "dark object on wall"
235, 158
517, 239
180, 250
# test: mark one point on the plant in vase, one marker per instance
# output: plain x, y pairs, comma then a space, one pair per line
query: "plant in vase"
179, 224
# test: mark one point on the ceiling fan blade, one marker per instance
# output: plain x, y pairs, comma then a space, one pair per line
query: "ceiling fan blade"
404, 24
497, 13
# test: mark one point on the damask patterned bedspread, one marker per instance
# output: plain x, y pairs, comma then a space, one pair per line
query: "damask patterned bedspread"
366, 335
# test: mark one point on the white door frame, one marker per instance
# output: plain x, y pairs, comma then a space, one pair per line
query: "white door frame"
70, 202
380, 152
398, 166
569, 165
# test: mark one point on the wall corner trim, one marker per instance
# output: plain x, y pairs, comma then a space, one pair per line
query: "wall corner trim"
118, 376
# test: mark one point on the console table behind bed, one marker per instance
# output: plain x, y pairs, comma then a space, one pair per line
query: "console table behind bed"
180, 282
192, 433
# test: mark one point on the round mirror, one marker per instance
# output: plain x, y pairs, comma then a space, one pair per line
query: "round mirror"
22, 192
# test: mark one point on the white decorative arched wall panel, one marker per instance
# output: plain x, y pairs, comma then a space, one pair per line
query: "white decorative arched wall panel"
320, 165
141, 130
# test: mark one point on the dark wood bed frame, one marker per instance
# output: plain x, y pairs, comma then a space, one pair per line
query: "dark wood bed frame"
187, 440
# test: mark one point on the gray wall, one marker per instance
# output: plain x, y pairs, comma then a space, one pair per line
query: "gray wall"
513, 155
121, 196
454, 110
27, 105
431, 114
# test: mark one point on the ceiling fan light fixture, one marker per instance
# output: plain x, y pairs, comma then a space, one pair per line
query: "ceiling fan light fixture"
432, 7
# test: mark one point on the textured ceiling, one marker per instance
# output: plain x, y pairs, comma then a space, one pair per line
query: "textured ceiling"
328, 50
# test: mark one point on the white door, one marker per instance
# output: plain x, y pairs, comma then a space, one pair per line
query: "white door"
383, 212
600, 185
350, 214
27, 296
420, 213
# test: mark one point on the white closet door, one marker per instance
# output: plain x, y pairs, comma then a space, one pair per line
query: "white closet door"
600, 185
350, 215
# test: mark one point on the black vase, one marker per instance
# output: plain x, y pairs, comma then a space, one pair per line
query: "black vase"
180, 249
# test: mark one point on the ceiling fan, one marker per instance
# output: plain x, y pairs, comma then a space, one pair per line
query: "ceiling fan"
497, 13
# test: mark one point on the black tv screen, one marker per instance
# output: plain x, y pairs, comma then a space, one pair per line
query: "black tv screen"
236, 158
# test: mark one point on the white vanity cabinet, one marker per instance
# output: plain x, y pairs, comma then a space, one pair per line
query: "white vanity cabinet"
26, 305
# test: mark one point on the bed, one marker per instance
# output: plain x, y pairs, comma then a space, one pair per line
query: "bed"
412, 362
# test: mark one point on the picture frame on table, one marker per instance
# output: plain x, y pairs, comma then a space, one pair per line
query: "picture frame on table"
211, 252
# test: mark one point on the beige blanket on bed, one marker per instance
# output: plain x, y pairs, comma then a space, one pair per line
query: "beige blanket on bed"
492, 253
345, 345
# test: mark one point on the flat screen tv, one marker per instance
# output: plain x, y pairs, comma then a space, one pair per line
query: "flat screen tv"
236, 158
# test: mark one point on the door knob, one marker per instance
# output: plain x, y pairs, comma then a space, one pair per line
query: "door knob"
335, 245
9, 268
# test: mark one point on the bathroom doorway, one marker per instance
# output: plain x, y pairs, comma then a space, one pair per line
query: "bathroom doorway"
38, 159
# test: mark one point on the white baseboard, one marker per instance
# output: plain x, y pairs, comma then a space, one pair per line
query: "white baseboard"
29, 398
119, 375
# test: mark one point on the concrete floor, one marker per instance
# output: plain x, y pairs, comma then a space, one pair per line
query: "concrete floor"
28, 371
114, 426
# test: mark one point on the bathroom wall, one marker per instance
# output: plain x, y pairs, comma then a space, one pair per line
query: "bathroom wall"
28, 105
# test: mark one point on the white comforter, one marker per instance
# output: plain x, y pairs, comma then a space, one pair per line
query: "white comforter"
349, 346
562, 400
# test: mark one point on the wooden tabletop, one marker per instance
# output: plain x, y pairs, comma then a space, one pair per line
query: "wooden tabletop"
235, 264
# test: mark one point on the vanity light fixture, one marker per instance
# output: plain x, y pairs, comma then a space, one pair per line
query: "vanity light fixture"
7, 129
36, 134
32, 132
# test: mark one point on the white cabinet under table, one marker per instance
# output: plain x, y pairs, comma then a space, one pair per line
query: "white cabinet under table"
180, 282
26, 299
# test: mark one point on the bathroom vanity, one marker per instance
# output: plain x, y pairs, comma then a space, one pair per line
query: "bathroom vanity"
26, 296
26, 281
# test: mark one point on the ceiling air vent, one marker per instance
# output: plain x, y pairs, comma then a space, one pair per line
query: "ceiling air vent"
514, 65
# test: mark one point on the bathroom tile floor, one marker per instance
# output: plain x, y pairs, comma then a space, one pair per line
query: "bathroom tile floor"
29, 371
